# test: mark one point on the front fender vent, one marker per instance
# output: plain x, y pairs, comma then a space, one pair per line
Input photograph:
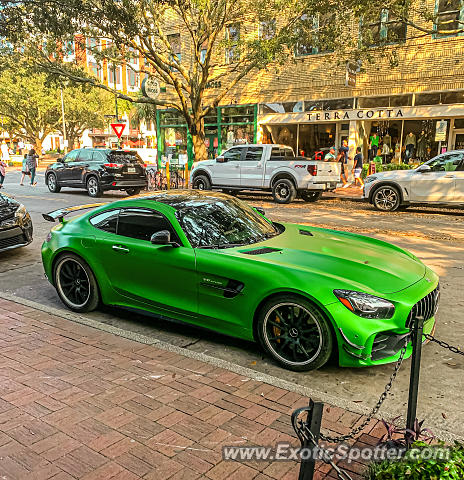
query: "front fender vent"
261, 251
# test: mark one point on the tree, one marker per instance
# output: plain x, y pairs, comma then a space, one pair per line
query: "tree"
31, 106
84, 108
189, 44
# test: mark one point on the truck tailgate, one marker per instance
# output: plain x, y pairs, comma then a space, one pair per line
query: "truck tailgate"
326, 171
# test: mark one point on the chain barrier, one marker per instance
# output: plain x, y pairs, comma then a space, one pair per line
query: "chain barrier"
443, 344
383, 396
326, 457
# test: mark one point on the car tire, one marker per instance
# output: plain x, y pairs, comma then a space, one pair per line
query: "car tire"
310, 196
294, 332
52, 183
93, 187
201, 182
231, 192
75, 283
386, 198
133, 191
283, 191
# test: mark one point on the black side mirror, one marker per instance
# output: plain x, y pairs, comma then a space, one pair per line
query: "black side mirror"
60, 160
261, 211
221, 160
163, 237
424, 169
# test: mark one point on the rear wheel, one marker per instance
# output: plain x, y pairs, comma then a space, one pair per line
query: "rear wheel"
310, 196
75, 283
133, 191
52, 183
201, 182
283, 191
386, 198
93, 187
295, 333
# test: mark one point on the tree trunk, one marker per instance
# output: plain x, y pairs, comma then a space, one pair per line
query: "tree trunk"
38, 146
198, 139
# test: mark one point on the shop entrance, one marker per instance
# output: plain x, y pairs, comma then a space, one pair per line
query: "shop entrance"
458, 140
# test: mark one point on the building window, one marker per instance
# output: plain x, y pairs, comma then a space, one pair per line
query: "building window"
388, 29
114, 72
68, 48
308, 30
439, 98
449, 17
132, 70
332, 104
174, 42
267, 29
232, 38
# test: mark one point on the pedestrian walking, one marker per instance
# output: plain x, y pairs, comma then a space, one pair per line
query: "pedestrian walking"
24, 170
31, 161
344, 163
3, 166
357, 168
341, 161
5, 151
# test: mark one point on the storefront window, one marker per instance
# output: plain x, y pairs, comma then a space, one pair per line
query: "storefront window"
332, 104
390, 101
236, 135
459, 123
286, 107
282, 134
238, 114
313, 138
438, 98
174, 145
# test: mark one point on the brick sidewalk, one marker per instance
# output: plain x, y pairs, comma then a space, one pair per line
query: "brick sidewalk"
77, 402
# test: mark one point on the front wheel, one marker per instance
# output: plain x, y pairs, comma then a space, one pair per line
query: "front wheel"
52, 183
386, 198
283, 191
310, 196
75, 283
133, 191
295, 333
93, 187
201, 182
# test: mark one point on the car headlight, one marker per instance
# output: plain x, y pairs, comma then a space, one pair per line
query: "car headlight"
21, 212
370, 178
365, 305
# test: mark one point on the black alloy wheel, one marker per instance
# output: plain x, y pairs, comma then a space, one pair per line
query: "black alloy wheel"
295, 333
284, 191
52, 183
75, 283
201, 182
387, 198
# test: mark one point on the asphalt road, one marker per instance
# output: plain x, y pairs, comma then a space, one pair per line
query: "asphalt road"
433, 234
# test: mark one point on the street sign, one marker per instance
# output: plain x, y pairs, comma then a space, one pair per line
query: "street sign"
351, 71
151, 87
440, 131
118, 128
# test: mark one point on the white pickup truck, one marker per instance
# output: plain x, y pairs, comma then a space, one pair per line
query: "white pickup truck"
266, 167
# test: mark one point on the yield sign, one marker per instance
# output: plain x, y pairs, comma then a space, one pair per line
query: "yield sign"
118, 128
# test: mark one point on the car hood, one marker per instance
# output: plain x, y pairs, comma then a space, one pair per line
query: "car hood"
352, 261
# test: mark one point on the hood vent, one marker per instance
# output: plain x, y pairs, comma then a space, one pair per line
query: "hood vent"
260, 251
306, 232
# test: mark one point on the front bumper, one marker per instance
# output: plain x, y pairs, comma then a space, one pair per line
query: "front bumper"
369, 342
15, 237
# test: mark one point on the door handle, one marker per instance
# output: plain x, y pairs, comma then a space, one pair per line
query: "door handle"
120, 248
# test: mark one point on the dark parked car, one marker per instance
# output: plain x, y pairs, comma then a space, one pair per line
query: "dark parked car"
15, 224
97, 170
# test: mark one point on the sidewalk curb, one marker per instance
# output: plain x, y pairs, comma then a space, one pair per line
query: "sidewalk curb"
217, 362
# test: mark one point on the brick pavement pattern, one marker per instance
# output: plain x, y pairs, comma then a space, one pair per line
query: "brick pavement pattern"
80, 403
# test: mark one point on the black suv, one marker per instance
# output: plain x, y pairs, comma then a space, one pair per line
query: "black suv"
97, 170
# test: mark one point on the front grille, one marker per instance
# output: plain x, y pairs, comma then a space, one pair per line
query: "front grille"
7, 213
387, 344
425, 308
10, 242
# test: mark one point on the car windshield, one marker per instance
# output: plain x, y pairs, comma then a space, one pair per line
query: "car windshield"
124, 157
223, 224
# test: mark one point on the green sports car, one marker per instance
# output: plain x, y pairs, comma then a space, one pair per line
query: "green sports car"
303, 293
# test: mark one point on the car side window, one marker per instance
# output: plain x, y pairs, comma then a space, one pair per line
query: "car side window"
254, 154
71, 156
142, 223
281, 153
234, 154
446, 163
107, 221
85, 155
98, 157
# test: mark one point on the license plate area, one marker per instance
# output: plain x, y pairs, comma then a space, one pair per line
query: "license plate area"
131, 170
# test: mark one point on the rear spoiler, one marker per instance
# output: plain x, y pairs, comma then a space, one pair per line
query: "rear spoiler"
62, 212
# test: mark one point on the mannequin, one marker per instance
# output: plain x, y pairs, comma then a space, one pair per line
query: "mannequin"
387, 140
422, 147
410, 144
385, 152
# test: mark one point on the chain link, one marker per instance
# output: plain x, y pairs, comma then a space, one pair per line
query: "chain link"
377, 406
444, 344
326, 457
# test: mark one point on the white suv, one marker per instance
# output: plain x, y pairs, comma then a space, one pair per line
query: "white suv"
438, 181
